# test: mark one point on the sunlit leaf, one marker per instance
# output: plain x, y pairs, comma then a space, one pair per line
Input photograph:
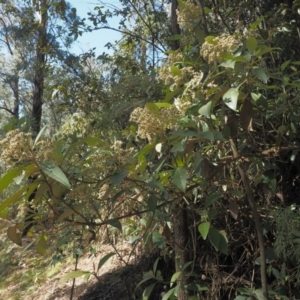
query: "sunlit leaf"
175, 276
211, 40
260, 74
203, 228
55, 172
15, 197
9, 177
41, 245
14, 236
175, 71
230, 98
39, 135
72, 275
205, 110
229, 63
163, 104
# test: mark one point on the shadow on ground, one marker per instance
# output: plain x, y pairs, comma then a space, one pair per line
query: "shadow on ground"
121, 283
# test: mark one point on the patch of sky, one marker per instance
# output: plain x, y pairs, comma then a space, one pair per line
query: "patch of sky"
97, 38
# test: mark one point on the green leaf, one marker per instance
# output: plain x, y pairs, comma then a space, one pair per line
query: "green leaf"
211, 40
218, 240
175, 277
72, 275
115, 223
260, 74
104, 259
284, 65
211, 199
203, 228
118, 178
230, 98
14, 236
175, 71
229, 63
142, 162
158, 240
16, 196
155, 265
148, 290
168, 294
19, 178
205, 110
259, 294
163, 104
39, 135
55, 173
251, 44
147, 276
180, 178
256, 23
41, 245
153, 108
9, 177
152, 203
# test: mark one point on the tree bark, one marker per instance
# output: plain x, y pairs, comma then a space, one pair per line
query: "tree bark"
180, 220
39, 76
181, 247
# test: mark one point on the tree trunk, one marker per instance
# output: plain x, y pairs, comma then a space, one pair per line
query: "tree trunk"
181, 246
175, 29
180, 220
39, 76
38, 92
16, 108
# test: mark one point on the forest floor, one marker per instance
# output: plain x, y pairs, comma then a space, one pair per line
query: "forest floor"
26, 275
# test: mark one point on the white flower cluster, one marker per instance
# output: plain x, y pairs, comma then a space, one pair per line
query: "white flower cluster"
151, 125
221, 46
17, 147
121, 154
187, 14
178, 77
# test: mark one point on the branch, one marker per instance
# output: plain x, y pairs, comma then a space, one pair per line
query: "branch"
269, 153
259, 230
7, 109
132, 35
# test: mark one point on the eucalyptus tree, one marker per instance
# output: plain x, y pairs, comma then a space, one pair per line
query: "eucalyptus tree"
35, 35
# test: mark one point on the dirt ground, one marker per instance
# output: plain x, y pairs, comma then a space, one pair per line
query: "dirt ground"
53, 290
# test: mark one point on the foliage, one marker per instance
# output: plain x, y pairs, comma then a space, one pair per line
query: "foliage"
204, 153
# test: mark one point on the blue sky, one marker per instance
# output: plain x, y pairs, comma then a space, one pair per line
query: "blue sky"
96, 38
